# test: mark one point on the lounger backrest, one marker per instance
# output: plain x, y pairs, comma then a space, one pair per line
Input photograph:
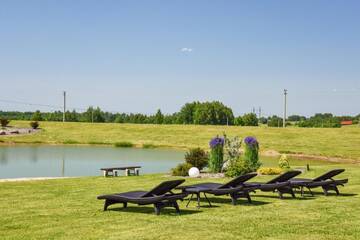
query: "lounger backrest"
163, 188
239, 180
285, 176
329, 175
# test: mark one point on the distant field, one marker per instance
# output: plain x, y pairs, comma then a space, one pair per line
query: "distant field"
343, 142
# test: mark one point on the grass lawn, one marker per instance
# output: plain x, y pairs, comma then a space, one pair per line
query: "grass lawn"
337, 142
68, 209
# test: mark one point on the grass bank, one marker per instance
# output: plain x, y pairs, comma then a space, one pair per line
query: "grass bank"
68, 209
337, 142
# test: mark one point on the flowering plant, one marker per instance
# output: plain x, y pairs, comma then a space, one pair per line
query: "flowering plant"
251, 142
216, 141
216, 159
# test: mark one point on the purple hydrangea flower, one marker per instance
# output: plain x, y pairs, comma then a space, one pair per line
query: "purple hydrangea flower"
216, 141
251, 141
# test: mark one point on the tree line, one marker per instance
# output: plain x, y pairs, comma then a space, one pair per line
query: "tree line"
201, 113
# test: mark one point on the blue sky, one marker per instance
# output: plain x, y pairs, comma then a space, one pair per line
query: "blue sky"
137, 56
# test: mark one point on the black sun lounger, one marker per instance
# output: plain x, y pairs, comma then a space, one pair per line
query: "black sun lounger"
234, 188
161, 196
325, 181
279, 184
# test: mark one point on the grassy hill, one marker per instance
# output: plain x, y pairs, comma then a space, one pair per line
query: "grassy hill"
332, 142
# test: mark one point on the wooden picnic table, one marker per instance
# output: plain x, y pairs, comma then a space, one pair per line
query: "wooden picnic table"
129, 170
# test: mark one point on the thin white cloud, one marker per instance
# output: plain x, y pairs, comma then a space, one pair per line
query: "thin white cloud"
185, 49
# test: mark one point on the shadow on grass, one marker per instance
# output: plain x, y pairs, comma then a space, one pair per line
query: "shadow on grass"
275, 196
150, 210
318, 193
239, 201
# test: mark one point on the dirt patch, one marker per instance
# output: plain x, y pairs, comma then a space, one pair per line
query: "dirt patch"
12, 131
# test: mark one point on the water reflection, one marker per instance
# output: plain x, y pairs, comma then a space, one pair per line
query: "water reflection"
3, 157
56, 161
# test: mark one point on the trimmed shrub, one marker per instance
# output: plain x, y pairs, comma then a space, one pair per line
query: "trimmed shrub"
270, 171
124, 144
34, 125
181, 169
4, 122
197, 157
284, 162
216, 159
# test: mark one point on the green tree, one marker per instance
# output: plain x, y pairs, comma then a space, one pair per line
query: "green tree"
159, 117
275, 121
37, 116
93, 114
186, 114
250, 119
239, 121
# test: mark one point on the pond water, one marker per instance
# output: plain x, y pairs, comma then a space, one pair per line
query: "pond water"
68, 161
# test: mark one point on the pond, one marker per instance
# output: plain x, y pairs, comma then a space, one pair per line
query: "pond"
69, 161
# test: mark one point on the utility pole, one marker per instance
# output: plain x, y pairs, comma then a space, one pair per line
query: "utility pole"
259, 112
284, 119
64, 106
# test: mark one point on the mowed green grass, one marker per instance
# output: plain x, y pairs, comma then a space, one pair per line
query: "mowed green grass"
68, 209
337, 142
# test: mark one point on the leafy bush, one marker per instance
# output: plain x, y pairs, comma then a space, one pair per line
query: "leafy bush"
124, 144
69, 141
216, 159
270, 171
148, 145
237, 168
197, 157
34, 125
284, 162
181, 169
4, 122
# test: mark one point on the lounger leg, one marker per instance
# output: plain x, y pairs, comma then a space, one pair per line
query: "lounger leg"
198, 200
292, 193
312, 194
157, 209
189, 200
248, 197
207, 200
280, 194
176, 206
233, 199
108, 203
